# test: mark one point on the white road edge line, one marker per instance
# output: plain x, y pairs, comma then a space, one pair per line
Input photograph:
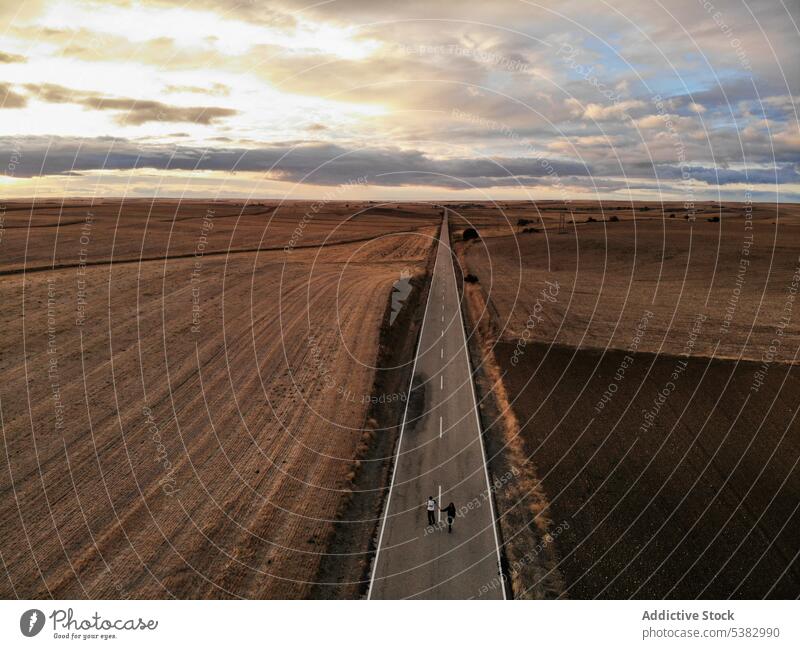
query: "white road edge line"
403, 424
478, 422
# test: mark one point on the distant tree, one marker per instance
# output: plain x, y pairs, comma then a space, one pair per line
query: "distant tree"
613, 218
471, 279
470, 233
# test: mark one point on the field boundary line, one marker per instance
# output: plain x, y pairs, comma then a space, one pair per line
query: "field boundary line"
108, 261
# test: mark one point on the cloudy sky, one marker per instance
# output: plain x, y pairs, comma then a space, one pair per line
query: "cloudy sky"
672, 99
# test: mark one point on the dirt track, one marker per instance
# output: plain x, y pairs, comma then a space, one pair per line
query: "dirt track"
195, 434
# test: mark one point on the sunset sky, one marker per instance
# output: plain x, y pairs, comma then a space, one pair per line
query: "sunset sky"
449, 100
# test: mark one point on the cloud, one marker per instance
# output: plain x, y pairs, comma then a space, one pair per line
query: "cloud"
320, 163
317, 163
11, 99
255, 12
7, 57
780, 174
215, 89
595, 111
601, 113
20, 11
131, 111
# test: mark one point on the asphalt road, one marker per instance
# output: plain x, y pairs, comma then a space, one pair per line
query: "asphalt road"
439, 454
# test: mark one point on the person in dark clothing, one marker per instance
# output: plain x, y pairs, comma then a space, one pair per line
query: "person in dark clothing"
451, 515
431, 507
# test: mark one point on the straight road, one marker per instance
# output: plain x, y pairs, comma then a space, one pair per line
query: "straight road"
439, 454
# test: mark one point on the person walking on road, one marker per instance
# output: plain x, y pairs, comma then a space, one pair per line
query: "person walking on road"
431, 507
451, 515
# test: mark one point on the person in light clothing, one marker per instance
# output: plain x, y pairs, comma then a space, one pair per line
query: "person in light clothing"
431, 507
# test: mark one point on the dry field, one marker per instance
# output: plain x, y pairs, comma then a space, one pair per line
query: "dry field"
140, 230
610, 273
643, 392
181, 416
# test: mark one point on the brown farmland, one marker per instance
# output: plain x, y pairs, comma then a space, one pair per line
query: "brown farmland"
644, 395
179, 424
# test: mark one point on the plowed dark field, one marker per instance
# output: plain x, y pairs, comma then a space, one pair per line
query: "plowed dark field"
704, 503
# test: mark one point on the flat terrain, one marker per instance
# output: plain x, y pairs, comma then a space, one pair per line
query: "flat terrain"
187, 425
50, 234
648, 401
704, 503
611, 273
186, 388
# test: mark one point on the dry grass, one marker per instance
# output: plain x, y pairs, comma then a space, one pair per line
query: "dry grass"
521, 531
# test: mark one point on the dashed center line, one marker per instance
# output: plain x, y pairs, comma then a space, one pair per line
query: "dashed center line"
390, 528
